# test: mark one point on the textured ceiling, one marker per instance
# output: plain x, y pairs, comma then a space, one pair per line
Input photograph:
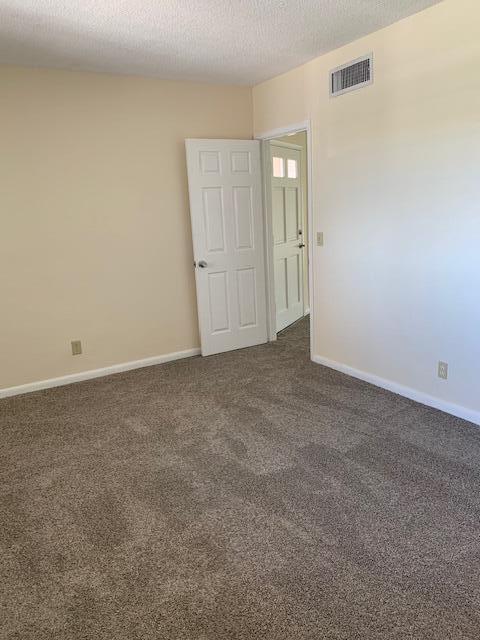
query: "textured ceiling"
235, 41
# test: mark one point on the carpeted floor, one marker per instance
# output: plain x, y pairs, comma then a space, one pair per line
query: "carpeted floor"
251, 495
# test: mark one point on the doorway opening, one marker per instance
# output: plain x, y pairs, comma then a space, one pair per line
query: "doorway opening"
288, 227
253, 263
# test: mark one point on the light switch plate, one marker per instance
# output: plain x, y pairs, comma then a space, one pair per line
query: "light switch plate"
320, 238
76, 347
443, 370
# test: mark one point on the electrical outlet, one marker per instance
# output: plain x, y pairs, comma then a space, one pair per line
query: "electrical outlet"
76, 347
320, 238
443, 370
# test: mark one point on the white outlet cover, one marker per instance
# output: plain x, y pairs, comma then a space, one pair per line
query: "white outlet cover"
443, 370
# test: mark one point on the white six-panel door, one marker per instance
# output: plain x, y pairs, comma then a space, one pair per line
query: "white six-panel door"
224, 178
288, 236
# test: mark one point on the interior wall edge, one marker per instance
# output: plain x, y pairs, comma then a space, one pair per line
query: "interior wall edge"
407, 392
96, 373
95, 241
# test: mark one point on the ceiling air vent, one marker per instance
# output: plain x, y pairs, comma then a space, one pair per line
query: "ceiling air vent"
351, 76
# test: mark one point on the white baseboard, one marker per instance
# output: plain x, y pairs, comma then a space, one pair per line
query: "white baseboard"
423, 398
96, 373
306, 312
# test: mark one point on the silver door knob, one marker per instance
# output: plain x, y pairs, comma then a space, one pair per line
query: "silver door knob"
202, 264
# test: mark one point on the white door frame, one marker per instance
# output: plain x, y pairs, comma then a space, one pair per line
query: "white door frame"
265, 138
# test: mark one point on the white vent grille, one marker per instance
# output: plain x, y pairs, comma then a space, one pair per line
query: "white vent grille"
351, 76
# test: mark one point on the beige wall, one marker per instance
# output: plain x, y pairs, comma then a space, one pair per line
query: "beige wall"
397, 194
95, 239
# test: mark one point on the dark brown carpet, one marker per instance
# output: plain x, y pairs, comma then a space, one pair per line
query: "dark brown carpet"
248, 495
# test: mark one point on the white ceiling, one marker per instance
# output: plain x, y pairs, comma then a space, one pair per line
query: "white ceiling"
234, 41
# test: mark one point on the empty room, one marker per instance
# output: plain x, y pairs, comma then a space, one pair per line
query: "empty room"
240, 320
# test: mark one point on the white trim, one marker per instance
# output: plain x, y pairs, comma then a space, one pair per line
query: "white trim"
285, 145
268, 240
311, 235
283, 131
97, 373
265, 137
418, 396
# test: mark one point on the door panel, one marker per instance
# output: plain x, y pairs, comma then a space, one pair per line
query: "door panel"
278, 211
214, 219
281, 289
218, 299
243, 208
247, 295
294, 279
227, 228
209, 162
241, 161
291, 214
287, 234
